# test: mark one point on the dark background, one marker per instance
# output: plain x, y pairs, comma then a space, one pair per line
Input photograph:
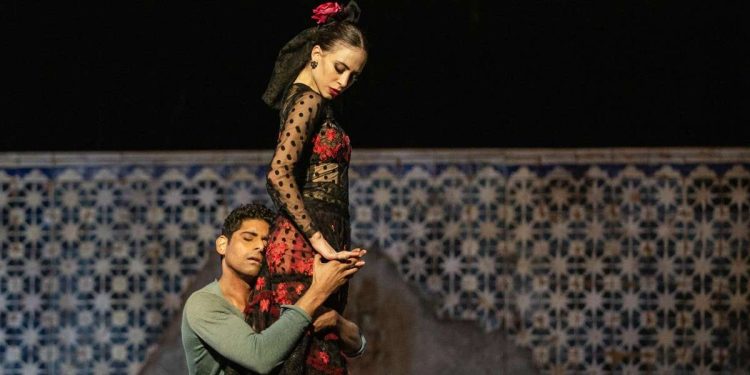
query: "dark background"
177, 75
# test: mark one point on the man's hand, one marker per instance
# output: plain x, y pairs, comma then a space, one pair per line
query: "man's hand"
327, 318
327, 277
347, 330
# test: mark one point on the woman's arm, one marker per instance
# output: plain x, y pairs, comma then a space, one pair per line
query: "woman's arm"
295, 133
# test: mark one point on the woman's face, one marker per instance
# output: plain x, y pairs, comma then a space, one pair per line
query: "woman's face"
337, 68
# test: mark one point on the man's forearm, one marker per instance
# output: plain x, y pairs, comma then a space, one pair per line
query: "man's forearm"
349, 334
312, 299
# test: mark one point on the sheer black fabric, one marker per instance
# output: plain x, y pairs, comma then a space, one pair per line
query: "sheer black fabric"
291, 59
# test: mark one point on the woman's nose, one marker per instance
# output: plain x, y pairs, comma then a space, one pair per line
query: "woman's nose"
344, 80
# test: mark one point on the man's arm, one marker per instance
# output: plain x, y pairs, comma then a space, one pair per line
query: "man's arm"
352, 340
353, 343
234, 339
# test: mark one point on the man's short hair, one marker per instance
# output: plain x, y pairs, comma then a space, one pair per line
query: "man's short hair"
249, 211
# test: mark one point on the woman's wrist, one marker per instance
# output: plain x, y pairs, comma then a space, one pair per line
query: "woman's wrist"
313, 234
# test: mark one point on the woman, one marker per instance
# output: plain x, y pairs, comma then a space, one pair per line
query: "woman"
308, 178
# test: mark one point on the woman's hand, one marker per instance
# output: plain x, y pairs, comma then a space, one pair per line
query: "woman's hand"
327, 251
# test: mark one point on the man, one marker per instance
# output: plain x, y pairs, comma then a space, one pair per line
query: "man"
214, 333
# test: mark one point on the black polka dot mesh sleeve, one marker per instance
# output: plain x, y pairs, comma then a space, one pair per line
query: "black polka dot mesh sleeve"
300, 119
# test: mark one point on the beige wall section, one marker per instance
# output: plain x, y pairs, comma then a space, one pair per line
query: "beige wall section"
404, 335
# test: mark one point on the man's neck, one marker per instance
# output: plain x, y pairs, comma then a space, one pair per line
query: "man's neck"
235, 289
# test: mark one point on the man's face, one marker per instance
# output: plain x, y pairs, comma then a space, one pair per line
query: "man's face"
243, 253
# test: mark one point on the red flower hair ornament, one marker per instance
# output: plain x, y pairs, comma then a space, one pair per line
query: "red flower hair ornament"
324, 11
330, 11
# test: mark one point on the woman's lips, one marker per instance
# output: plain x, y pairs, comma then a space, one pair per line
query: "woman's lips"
334, 92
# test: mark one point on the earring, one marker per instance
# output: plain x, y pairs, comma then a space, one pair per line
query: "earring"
313, 64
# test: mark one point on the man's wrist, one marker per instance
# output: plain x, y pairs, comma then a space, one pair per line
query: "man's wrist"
362, 346
342, 324
312, 299
318, 292
339, 321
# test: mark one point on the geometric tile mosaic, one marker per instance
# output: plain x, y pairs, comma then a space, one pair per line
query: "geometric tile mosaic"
608, 265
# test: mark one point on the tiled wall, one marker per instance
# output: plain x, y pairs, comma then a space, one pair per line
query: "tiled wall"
603, 261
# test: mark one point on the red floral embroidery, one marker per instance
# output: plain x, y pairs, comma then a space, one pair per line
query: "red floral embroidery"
264, 305
260, 283
324, 357
319, 360
257, 301
282, 294
274, 253
299, 289
303, 266
329, 144
331, 336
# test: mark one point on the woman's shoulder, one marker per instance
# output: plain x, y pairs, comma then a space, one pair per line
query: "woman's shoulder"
300, 93
300, 90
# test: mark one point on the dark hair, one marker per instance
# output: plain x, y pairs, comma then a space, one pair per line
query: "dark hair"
341, 31
340, 28
255, 210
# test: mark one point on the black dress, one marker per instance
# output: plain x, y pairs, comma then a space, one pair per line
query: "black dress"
308, 182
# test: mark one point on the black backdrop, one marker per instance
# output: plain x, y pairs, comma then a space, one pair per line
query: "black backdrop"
184, 74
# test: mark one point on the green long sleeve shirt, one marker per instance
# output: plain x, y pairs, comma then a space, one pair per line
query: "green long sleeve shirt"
214, 331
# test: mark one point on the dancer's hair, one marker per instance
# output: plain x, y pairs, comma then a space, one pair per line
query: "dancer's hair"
338, 28
255, 210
